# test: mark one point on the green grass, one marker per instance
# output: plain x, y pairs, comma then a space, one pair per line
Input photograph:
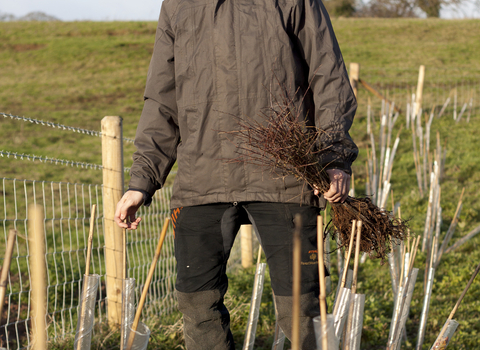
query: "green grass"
75, 73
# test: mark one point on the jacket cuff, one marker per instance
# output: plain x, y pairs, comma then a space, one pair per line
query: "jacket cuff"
340, 165
147, 198
143, 184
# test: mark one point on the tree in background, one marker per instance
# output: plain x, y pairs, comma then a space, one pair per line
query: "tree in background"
389, 8
340, 8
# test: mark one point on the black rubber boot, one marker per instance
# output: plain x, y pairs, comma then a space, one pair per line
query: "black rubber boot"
206, 321
309, 308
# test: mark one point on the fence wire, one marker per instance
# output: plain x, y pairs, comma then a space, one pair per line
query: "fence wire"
55, 161
59, 126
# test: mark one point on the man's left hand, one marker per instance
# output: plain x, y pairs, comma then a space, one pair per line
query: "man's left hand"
339, 186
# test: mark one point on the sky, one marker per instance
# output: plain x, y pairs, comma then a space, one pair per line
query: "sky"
134, 10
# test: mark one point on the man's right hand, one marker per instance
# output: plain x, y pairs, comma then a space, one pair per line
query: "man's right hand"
127, 208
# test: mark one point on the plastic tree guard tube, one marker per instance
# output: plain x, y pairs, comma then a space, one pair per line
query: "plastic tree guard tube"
128, 306
86, 313
443, 340
141, 336
355, 323
341, 311
254, 307
329, 331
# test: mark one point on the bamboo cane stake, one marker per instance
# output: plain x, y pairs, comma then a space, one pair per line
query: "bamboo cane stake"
340, 259
350, 321
321, 273
426, 306
417, 161
347, 258
389, 125
444, 159
382, 148
427, 135
12, 235
425, 177
328, 263
407, 115
455, 104
429, 215
459, 301
412, 261
392, 268
87, 272
368, 192
444, 107
403, 298
398, 296
438, 227
38, 272
375, 92
427, 234
385, 164
398, 248
430, 161
369, 113
256, 297
402, 266
461, 112
90, 239
392, 156
297, 251
470, 107
464, 239
373, 173
357, 257
405, 308
457, 305
136, 320
124, 276
451, 230
351, 193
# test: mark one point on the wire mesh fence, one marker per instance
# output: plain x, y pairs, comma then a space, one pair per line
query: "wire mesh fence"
67, 209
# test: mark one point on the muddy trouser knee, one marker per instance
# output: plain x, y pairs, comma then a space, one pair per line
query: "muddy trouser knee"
203, 239
275, 226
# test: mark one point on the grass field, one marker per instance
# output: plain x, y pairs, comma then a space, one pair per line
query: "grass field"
75, 73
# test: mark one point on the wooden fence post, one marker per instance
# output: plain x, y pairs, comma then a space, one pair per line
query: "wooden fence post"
354, 76
112, 161
38, 271
419, 94
246, 245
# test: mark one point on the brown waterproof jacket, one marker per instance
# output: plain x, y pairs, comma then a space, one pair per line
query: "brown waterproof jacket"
215, 61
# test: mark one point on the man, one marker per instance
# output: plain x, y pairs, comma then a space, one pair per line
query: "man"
215, 61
